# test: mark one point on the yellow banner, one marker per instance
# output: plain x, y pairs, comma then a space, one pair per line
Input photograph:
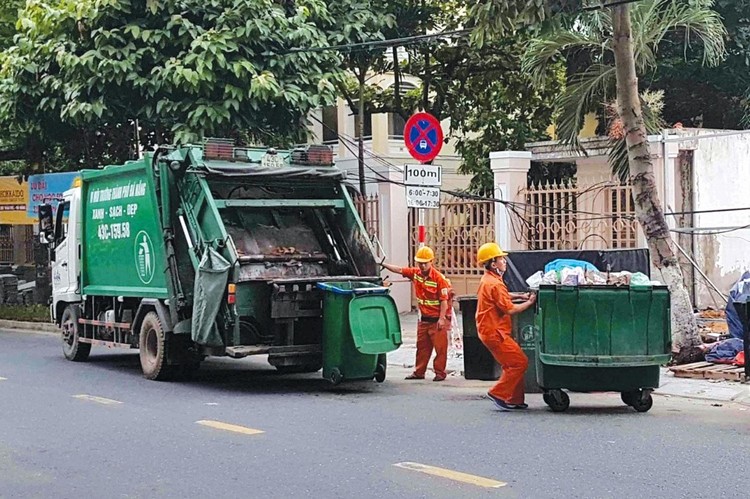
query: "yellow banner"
14, 199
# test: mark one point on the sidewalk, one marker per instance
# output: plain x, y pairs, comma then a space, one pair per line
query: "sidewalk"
670, 386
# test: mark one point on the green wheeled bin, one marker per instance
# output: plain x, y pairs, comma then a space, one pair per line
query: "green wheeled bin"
599, 339
360, 326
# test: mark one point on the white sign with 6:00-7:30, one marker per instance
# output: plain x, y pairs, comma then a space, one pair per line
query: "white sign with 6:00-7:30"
422, 197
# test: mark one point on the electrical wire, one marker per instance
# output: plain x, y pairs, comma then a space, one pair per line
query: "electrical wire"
412, 40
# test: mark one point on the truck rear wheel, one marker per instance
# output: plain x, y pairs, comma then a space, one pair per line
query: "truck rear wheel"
152, 343
73, 349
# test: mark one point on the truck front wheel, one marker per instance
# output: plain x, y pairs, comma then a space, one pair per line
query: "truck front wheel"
73, 349
152, 343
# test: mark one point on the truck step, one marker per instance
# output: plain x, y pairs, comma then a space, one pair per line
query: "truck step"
239, 351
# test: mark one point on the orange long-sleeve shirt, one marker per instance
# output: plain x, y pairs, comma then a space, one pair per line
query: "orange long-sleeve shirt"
430, 290
493, 306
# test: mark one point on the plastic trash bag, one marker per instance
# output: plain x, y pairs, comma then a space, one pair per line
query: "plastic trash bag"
572, 276
639, 279
210, 284
550, 277
535, 280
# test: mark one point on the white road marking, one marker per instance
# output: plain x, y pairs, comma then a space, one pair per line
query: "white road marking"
98, 400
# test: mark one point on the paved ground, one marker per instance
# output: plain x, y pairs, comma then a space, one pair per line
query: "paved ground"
98, 429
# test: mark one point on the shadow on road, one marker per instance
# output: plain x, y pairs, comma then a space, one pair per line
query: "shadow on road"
241, 376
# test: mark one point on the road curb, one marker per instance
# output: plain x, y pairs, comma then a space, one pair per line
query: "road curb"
740, 399
33, 327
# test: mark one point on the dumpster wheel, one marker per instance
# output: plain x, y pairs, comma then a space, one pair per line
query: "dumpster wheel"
641, 400
557, 400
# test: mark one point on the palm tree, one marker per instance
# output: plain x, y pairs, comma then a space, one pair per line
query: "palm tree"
617, 45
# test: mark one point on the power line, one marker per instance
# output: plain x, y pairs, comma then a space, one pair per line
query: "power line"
605, 5
510, 205
412, 40
709, 231
717, 210
391, 42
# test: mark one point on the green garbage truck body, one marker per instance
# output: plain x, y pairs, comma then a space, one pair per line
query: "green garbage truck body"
209, 250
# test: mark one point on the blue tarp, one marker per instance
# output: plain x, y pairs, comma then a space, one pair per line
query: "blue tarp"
740, 292
725, 351
562, 263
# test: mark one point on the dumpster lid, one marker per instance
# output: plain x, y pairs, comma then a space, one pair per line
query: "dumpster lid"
374, 323
352, 288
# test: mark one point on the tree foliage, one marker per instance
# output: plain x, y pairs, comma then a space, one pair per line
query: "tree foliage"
8, 17
587, 36
701, 96
81, 72
491, 103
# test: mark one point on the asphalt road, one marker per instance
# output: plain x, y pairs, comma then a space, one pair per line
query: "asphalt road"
99, 430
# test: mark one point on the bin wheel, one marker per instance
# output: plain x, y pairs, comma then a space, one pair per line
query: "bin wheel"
380, 370
628, 397
380, 373
546, 398
336, 377
643, 401
557, 400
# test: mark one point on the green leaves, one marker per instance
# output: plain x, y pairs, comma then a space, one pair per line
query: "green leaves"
189, 67
585, 42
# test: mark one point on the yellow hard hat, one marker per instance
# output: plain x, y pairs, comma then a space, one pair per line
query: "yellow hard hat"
424, 255
488, 251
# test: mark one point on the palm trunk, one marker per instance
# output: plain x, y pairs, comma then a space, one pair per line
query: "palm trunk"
648, 207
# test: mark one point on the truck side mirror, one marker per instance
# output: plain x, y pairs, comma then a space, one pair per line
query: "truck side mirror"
46, 225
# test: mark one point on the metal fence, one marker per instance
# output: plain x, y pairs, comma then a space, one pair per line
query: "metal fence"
455, 231
6, 250
569, 215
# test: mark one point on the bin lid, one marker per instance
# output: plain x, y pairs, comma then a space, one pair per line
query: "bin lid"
374, 323
351, 287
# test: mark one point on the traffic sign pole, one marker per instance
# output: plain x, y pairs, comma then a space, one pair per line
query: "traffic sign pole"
422, 231
423, 137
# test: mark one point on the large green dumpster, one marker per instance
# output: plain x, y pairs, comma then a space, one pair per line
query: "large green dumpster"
479, 362
360, 325
601, 338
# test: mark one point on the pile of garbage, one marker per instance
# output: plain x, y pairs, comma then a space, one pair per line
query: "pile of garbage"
567, 272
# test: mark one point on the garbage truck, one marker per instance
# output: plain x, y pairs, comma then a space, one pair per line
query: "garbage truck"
216, 250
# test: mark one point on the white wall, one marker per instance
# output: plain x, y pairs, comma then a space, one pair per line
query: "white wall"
722, 180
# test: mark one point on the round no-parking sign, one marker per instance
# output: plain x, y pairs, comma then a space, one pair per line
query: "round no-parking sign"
423, 137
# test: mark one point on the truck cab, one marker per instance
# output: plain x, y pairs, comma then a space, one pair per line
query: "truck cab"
65, 259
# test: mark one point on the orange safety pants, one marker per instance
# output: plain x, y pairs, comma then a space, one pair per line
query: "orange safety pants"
430, 337
507, 353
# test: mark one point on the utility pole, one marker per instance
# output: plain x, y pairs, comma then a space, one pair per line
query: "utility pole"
361, 144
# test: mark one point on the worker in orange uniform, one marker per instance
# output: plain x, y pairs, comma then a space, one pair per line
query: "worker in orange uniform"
494, 310
433, 295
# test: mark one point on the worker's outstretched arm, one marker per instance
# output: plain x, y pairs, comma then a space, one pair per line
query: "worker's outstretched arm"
392, 268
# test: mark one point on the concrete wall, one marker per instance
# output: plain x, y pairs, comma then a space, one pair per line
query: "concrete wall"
721, 176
